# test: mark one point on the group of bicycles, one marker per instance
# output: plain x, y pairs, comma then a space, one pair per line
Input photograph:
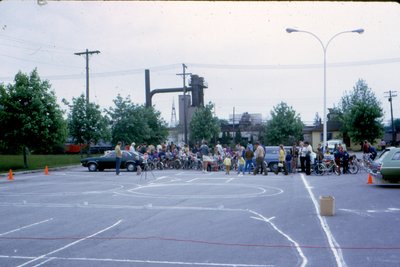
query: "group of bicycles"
167, 161
191, 161
329, 166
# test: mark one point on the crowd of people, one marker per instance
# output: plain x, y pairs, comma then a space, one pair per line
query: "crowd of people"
249, 159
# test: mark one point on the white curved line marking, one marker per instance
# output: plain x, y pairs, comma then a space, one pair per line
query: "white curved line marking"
296, 245
335, 247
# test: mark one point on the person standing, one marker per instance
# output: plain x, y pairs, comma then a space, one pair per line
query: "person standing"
282, 163
302, 153
288, 159
259, 153
227, 163
365, 147
118, 157
320, 153
249, 154
240, 165
383, 144
205, 151
220, 149
346, 157
295, 156
308, 150
132, 147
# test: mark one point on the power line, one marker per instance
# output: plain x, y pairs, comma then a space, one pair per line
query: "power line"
207, 66
295, 66
30, 43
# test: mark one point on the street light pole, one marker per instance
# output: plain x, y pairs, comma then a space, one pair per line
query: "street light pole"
324, 49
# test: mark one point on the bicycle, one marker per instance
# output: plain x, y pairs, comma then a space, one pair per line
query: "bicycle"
327, 166
353, 165
366, 162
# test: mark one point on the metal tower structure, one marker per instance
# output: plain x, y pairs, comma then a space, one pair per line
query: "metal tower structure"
173, 122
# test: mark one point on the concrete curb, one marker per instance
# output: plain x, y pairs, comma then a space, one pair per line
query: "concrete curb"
5, 174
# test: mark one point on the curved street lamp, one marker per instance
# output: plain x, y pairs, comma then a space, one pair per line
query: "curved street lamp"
324, 48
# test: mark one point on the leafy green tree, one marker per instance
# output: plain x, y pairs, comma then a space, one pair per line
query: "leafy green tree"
30, 116
361, 114
131, 122
204, 125
238, 136
224, 138
86, 123
284, 127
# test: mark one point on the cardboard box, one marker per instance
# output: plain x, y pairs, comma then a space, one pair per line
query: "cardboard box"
327, 205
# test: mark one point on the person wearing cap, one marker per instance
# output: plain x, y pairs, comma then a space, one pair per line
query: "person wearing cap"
132, 147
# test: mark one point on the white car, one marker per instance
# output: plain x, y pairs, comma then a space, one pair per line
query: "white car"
331, 144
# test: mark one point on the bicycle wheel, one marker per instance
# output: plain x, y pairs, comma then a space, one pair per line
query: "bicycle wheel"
160, 165
320, 169
353, 168
177, 164
336, 169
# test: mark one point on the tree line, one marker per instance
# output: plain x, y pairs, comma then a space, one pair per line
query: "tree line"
32, 121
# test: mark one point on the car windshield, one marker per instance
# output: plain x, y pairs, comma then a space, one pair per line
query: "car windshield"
110, 154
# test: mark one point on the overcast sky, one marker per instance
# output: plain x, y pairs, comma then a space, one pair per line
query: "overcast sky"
240, 48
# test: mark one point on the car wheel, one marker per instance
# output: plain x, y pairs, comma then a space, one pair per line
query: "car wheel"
130, 167
92, 167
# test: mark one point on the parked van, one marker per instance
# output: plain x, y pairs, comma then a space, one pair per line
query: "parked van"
271, 158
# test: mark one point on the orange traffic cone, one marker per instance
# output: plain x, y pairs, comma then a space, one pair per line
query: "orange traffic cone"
369, 179
10, 175
46, 170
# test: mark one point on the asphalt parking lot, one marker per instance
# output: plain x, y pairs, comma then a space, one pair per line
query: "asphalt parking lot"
187, 218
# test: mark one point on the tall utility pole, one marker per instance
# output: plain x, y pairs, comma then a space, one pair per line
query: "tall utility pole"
87, 53
391, 95
184, 100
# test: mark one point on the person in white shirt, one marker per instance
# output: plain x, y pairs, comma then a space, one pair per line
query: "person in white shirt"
308, 150
302, 154
132, 147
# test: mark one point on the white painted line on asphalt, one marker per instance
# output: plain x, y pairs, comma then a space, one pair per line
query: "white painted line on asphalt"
161, 177
335, 247
70, 244
192, 180
43, 262
26, 226
296, 245
360, 213
150, 262
229, 180
388, 210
